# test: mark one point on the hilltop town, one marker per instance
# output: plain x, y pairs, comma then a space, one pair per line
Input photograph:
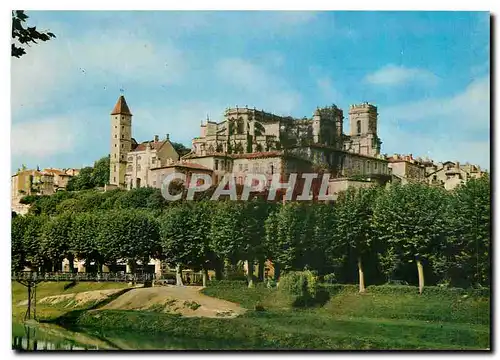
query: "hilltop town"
254, 141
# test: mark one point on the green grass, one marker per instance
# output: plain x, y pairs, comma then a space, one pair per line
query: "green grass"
288, 330
44, 289
348, 321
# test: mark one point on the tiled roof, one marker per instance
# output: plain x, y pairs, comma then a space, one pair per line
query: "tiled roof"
184, 165
121, 107
54, 171
154, 145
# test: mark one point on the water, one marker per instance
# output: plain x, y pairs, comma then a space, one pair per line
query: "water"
49, 337
44, 337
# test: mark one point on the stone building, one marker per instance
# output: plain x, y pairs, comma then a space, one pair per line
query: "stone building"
37, 182
451, 174
245, 130
405, 169
253, 141
131, 162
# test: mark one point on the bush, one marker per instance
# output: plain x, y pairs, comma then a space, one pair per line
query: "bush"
302, 285
330, 278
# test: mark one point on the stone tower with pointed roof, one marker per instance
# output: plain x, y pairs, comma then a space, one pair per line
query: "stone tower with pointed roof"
121, 141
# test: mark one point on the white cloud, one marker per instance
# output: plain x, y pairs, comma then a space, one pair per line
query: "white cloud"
181, 121
251, 84
393, 75
42, 138
467, 110
451, 128
113, 57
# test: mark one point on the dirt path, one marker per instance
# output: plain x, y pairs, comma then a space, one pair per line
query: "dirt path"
184, 300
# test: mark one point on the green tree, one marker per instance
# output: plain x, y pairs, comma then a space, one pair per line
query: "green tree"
178, 238
100, 172
25, 35
324, 238
83, 235
181, 149
468, 247
82, 181
18, 254
55, 240
238, 231
410, 220
353, 231
127, 234
32, 240
289, 232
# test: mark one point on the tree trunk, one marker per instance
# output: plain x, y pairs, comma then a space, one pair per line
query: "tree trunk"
250, 273
218, 271
420, 269
205, 277
361, 276
276, 272
178, 275
261, 270
71, 261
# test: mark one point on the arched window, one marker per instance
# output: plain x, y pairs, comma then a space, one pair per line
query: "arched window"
358, 126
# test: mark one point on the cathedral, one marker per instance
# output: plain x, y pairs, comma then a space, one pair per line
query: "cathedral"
254, 141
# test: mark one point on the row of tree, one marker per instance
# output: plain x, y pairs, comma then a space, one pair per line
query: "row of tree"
368, 235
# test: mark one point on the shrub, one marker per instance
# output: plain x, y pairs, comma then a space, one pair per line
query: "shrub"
330, 278
301, 285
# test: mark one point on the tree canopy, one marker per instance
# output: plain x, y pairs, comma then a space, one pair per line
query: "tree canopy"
24, 35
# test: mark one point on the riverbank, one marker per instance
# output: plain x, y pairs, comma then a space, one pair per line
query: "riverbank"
383, 318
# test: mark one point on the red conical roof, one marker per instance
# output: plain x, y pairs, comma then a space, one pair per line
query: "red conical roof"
121, 107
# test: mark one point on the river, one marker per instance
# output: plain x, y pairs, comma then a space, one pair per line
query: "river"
49, 337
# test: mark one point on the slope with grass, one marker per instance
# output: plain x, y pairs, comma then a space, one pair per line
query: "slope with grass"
378, 319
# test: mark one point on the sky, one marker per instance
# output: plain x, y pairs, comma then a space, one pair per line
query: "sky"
427, 72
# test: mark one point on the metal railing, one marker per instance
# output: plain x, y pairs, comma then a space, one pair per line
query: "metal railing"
69, 276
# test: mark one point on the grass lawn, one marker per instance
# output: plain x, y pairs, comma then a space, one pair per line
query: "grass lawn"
348, 321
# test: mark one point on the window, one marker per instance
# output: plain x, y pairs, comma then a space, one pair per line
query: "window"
358, 127
216, 164
114, 179
138, 158
122, 157
122, 136
154, 183
115, 136
122, 146
123, 117
375, 165
114, 167
272, 168
240, 167
138, 167
122, 127
434, 177
130, 158
115, 145
245, 167
240, 180
115, 156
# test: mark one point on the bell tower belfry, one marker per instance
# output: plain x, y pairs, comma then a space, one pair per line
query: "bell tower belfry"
363, 123
121, 136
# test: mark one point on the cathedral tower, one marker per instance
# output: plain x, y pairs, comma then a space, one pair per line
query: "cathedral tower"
363, 120
121, 134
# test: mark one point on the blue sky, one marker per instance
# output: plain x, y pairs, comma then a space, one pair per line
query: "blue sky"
428, 73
